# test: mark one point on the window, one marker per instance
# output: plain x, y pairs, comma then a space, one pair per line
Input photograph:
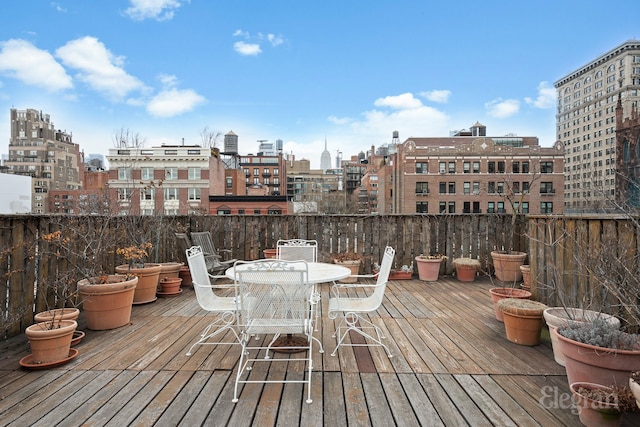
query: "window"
466, 208
476, 167
546, 188
124, 173
146, 194
442, 207
124, 194
546, 207
501, 207
422, 167
256, 171
525, 207
256, 180
525, 187
466, 167
240, 211
256, 211
422, 207
274, 212
443, 188
525, 167
229, 182
246, 172
501, 167
546, 167
442, 167
224, 211
171, 194
491, 187
452, 167
422, 188
146, 174
516, 187
276, 171
500, 188
452, 188
492, 167
170, 174
466, 188
476, 188
452, 207
515, 167
194, 194
195, 173
170, 152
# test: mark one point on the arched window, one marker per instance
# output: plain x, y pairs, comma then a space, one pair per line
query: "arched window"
611, 68
625, 151
599, 74
577, 85
567, 90
587, 80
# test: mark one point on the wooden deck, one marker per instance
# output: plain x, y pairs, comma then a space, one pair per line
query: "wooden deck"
452, 365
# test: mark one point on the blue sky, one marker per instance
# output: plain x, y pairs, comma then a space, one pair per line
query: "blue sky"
349, 71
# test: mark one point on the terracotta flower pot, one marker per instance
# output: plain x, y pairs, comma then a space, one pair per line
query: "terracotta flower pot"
466, 273
499, 293
170, 285
107, 306
50, 344
67, 313
354, 266
170, 269
526, 277
558, 316
428, 269
588, 363
147, 281
522, 320
269, 253
400, 275
507, 265
593, 412
185, 275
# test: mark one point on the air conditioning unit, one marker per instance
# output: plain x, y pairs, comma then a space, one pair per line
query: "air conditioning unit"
476, 192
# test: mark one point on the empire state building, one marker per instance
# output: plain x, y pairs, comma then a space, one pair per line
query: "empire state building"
325, 158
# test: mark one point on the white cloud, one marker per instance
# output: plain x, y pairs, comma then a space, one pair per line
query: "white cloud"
546, 97
160, 10
98, 67
400, 102
247, 49
58, 7
441, 96
172, 102
340, 120
21, 60
502, 108
275, 40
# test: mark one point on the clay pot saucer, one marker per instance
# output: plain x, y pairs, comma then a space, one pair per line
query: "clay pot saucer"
169, 294
26, 362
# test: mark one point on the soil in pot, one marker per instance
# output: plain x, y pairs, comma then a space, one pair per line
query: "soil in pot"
499, 293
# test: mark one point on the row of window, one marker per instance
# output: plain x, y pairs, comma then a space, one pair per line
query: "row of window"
170, 173
125, 194
225, 211
492, 167
265, 172
493, 187
474, 207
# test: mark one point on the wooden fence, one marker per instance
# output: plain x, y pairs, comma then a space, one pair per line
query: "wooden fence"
579, 261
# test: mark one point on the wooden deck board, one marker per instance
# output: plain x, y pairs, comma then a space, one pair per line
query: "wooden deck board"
451, 365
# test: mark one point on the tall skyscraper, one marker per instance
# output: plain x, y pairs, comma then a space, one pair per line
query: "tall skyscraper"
325, 158
586, 124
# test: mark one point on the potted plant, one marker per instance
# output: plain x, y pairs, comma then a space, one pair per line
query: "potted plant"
107, 300
526, 277
170, 269
506, 265
429, 266
169, 286
599, 405
148, 273
466, 269
350, 260
558, 316
499, 293
522, 320
50, 343
403, 273
595, 352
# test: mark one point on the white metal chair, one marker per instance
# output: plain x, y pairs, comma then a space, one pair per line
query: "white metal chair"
351, 308
217, 259
273, 298
297, 249
208, 300
303, 250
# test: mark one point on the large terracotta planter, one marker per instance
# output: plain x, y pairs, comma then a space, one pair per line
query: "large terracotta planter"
499, 293
67, 313
594, 413
354, 266
558, 316
588, 363
170, 269
507, 265
48, 344
428, 269
107, 306
466, 273
147, 281
522, 320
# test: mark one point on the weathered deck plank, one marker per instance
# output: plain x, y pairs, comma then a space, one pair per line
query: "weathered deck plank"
451, 365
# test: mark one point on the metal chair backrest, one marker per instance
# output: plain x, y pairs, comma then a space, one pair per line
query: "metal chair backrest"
273, 296
200, 279
204, 240
383, 275
297, 249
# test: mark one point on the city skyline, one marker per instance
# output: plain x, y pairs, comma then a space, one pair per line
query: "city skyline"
347, 74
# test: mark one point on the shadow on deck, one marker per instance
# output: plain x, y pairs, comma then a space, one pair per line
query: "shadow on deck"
452, 365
